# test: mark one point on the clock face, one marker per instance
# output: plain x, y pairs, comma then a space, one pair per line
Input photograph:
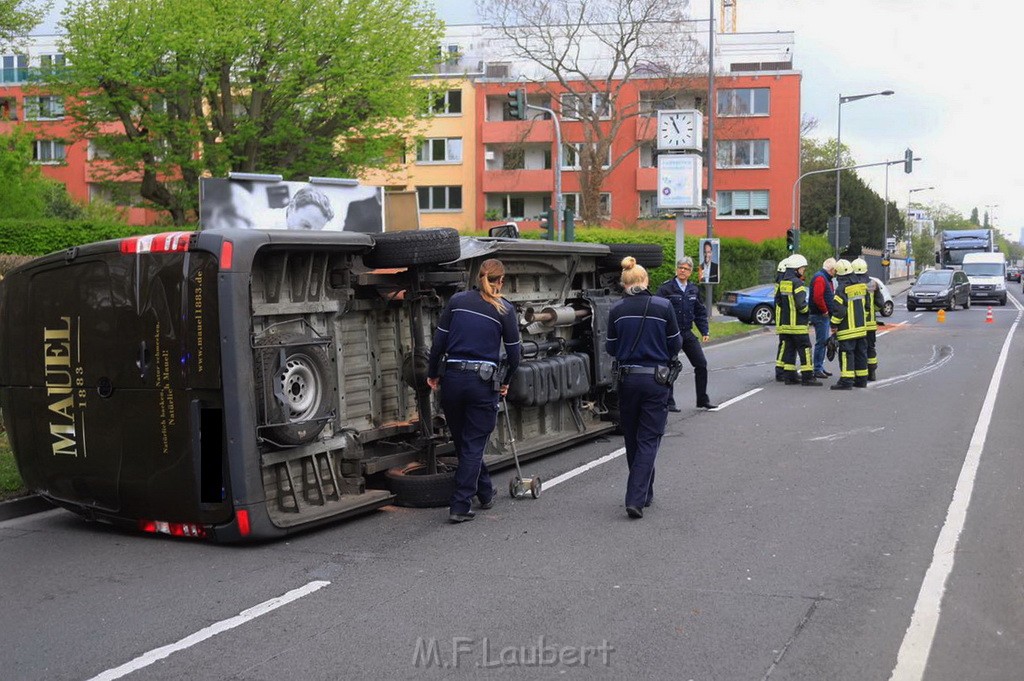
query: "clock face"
677, 130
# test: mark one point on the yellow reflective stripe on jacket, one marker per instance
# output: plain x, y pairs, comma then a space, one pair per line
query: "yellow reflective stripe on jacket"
851, 300
787, 312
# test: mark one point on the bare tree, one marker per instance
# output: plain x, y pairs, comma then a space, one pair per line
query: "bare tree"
591, 57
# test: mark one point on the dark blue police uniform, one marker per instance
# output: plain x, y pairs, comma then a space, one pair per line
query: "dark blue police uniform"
640, 344
469, 338
690, 310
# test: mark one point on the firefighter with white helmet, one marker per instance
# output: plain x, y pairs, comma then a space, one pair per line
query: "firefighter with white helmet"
849, 320
872, 304
791, 313
779, 365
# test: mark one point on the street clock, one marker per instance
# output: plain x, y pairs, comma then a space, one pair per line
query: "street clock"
680, 130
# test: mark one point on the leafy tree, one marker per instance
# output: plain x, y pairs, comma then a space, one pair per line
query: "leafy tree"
600, 50
22, 185
18, 17
174, 90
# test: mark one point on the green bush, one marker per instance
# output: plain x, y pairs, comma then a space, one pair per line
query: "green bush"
39, 237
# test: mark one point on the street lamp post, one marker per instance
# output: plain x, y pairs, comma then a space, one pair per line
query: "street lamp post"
839, 146
910, 195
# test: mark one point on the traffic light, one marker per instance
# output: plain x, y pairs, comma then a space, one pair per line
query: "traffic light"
569, 224
547, 222
908, 161
791, 240
517, 104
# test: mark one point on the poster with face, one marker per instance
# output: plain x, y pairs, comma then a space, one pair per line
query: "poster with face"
311, 206
707, 267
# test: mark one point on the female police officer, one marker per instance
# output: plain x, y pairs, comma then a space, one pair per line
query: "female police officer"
643, 336
468, 341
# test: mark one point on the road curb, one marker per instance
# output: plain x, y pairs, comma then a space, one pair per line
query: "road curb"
22, 506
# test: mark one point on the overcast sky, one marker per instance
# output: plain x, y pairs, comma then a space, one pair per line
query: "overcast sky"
957, 101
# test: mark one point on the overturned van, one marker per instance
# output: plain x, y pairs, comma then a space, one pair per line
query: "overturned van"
245, 384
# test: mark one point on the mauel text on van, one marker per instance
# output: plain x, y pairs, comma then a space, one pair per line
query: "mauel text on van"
60, 386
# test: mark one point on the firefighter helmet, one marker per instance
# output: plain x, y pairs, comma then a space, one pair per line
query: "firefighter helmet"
843, 267
860, 266
797, 261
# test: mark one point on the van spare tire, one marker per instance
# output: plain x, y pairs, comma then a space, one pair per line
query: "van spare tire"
420, 247
414, 486
295, 387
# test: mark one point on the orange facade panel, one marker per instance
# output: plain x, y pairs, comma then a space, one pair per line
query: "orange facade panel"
646, 179
517, 181
646, 128
513, 132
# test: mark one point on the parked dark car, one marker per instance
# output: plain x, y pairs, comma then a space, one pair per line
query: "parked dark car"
753, 305
940, 288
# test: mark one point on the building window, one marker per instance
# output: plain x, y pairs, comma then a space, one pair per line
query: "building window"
571, 156
15, 69
434, 199
743, 204
574, 201
8, 109
575, 106
48, 151
117, 193
743, 102
51, 61
440, 150
447, 104
44, 108
653, 102
743, 154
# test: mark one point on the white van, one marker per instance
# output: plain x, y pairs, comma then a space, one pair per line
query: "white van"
987, 274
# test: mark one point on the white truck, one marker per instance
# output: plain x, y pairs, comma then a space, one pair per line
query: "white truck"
987, 274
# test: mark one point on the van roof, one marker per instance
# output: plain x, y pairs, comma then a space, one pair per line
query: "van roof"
984, 257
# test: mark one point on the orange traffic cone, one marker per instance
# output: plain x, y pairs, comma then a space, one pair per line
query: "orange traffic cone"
942, 316
988, 317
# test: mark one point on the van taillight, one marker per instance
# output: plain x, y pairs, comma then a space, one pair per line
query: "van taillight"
173, 529
227, 251
243, 522
167, 242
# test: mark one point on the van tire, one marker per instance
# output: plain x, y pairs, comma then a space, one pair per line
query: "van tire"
647, 255
306, 378
421, 247
414, 487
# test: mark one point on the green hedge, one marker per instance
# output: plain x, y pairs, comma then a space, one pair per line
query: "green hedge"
39, 237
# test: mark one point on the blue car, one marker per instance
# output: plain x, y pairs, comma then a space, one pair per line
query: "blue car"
753, 305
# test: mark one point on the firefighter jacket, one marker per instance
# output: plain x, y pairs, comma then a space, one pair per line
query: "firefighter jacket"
791, 308
873, 303
849, 310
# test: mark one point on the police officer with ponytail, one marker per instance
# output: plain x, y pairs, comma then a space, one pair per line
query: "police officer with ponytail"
464, 366
644, 338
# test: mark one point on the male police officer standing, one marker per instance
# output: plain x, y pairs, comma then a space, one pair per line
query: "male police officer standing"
792, 309
643, 336
872, 304
468, 339
686, 302
849, 322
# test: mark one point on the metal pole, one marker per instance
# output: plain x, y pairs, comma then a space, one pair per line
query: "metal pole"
559, 202
711, 156
885, 225
839, 156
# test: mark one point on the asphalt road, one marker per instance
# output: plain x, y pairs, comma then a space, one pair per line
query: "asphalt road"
797, 533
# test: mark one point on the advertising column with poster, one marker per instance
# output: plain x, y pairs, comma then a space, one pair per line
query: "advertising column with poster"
322, 204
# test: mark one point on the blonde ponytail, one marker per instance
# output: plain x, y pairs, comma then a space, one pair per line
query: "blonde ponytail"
492, 271
634, 277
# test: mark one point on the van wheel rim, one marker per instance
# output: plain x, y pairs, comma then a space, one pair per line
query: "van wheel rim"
300, 384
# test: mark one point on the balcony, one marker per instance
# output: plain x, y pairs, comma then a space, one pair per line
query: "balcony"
646, 127
647, 179
517, 132
517, 181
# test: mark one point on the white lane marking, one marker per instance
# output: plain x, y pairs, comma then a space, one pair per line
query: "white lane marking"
919, 315
917, 643
867, 430
736, 399
209, 632
569, 475
748, 336
879, 335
